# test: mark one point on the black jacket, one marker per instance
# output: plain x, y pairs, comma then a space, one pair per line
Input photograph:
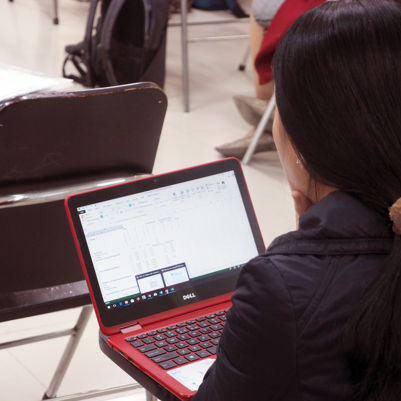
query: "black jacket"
282, 339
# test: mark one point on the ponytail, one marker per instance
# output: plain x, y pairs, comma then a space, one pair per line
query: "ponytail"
373, 337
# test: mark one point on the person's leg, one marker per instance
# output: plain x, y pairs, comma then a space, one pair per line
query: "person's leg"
252, 108
256, 34
262, 13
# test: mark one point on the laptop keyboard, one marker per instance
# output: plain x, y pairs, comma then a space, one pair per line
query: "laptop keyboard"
183, 342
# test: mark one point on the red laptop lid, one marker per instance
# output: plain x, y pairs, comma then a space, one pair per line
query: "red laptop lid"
164, 245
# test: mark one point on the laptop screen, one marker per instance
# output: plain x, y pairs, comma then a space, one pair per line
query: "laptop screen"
166, 241
152, 243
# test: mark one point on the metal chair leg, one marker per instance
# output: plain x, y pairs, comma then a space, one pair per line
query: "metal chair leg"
55, 18
259, 131
150, 396
184, 54
68, 352
242, 65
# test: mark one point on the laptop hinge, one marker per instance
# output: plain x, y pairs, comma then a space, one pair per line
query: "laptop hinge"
132, 327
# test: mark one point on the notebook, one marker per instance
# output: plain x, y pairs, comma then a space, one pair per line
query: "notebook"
161, 256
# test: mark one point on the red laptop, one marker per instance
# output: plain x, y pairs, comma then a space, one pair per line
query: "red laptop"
161, 256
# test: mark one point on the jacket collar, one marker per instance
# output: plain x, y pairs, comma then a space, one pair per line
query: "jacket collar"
338, 224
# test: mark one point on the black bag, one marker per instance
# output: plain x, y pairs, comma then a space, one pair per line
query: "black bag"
128, 44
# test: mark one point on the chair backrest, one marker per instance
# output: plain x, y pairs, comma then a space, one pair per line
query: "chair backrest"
54, 144
68, 135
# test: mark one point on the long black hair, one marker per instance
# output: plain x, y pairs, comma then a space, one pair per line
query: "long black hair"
337, 73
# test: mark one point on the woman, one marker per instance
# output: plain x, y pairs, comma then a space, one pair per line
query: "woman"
318, 316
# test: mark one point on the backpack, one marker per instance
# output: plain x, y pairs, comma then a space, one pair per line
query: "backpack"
128, 44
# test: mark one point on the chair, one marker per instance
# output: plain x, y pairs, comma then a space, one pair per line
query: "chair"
53, 145
185, 41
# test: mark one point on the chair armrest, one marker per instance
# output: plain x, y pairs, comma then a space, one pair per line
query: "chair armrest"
19, 304
58, 193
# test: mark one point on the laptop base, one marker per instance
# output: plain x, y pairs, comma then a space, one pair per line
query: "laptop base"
138, 375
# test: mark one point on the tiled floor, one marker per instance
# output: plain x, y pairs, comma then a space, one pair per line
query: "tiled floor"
29, 39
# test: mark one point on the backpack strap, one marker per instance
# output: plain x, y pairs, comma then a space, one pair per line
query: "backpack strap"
149, 27
157, 12
76, 60
80, 54
88, 40
105, 41
90, 20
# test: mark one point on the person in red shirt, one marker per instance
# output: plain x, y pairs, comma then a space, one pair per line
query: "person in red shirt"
252, 108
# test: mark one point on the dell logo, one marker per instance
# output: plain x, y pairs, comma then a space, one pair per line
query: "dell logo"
188, 296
